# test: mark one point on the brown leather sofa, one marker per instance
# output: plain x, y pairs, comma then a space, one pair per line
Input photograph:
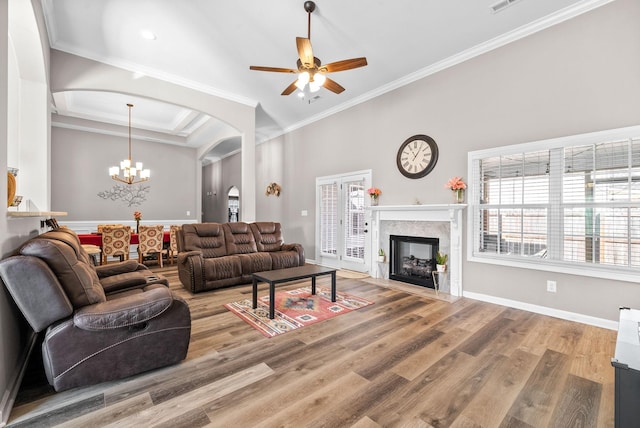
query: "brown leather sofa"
216, 255
102, 323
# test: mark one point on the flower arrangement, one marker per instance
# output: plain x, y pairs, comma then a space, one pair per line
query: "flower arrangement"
374, 192
456, 183
137, 216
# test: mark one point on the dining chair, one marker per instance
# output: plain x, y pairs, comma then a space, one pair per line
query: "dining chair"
101, 226
150, 242
173, 242
116, 241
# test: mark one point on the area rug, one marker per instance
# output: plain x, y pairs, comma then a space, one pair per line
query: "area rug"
295, 309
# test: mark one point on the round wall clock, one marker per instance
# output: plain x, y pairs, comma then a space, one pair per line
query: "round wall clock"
417, 156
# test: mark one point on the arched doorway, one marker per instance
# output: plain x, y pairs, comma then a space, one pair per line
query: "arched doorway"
233, 204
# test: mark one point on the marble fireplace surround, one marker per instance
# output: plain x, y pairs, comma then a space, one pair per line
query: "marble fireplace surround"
442, 221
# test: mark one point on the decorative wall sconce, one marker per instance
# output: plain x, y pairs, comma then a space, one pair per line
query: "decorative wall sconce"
273, 189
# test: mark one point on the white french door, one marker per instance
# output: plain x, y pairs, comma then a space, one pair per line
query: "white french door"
342, 223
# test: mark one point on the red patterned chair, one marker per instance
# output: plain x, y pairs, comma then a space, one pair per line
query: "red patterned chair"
150, 242
116, 241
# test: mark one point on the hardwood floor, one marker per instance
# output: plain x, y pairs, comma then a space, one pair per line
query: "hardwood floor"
409, 360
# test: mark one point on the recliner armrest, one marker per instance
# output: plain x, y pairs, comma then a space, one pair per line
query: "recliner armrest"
297, 248
125, 311
187, 254
118, 268
191, 270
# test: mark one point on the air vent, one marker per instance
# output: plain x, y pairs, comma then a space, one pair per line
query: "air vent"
501, 5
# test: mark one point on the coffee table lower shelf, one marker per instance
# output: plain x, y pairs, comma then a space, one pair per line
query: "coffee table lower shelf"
279, 276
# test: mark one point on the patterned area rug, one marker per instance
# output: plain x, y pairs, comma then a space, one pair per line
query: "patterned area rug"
295, 309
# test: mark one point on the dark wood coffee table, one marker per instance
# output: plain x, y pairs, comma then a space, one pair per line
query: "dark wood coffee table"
278, 276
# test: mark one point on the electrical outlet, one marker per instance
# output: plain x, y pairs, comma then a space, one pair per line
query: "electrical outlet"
551, 286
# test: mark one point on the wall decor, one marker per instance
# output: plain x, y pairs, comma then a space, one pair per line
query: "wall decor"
417, 156
132, 195
273, 189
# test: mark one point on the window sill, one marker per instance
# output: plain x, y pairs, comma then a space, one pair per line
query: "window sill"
605, 272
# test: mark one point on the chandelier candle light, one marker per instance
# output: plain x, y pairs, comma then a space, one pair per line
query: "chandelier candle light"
129, 172
457, 186
374, 192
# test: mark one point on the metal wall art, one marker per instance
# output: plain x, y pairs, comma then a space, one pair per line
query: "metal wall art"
132, 195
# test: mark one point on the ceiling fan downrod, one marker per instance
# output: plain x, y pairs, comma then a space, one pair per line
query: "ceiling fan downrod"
309, 6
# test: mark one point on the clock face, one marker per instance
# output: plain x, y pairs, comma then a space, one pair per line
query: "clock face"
417, 156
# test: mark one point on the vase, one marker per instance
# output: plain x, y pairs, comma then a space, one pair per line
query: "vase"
458, 196
441, 268
381, 259
374, 201
137, 226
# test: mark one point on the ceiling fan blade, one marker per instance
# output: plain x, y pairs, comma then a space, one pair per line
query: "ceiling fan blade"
333, 86
275, 69
292, 87
305, 52
346, 64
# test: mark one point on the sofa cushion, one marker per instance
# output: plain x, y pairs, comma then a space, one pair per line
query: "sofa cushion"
239, 238
205, 237
268, 235
222, 268
255, 262
63, 254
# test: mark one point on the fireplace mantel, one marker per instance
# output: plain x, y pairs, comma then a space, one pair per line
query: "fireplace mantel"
451, 213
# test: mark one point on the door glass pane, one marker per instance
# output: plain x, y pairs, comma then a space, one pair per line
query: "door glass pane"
329, 219
354, 215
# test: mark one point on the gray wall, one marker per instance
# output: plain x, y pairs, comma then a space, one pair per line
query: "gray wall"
218, 178
580, 76
80, 161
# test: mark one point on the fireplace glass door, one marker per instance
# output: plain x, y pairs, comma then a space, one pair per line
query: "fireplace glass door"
412, 259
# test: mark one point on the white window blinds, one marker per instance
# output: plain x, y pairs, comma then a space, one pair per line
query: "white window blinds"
573, 201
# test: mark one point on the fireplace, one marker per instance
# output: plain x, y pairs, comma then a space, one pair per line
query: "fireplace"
412, 259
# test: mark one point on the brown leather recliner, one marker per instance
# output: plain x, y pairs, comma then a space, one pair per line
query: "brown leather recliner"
102, 323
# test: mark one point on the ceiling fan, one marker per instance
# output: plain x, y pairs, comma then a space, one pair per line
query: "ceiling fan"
310, 69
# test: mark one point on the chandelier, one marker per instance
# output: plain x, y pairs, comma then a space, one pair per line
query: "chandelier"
130, 174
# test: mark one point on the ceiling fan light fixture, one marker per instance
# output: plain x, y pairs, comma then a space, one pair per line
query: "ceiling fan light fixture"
303, 79
319, 78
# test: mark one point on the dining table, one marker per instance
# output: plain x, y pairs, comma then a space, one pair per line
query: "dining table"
96, 238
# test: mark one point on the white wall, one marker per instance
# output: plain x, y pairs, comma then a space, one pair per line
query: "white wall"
19, 87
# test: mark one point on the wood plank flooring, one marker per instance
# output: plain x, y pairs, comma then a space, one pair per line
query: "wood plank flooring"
413, 359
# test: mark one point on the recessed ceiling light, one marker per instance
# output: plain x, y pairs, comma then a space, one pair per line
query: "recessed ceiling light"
147, 34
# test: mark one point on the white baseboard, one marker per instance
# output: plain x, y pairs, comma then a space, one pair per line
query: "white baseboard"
543, 310
9, 395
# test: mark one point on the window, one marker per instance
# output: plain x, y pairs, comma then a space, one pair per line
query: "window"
566, 204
